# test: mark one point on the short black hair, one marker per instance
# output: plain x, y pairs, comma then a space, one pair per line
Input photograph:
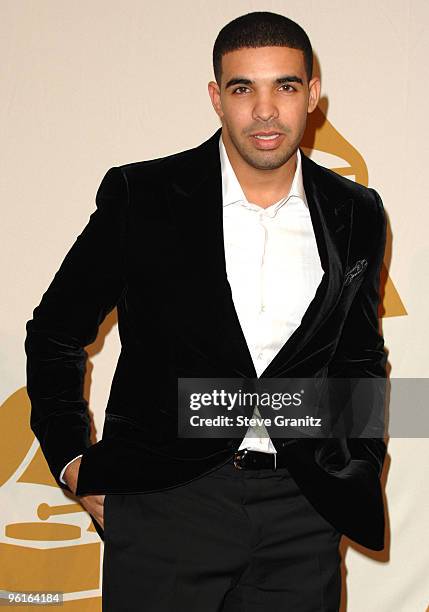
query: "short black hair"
261, 29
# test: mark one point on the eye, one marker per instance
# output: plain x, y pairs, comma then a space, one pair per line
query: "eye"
289, 86
237, 88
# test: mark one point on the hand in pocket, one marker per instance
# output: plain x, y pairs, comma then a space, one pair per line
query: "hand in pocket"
94, 504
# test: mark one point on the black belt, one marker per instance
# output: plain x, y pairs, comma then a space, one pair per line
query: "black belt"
246, 459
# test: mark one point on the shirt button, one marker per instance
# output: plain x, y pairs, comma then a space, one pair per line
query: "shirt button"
263, 308
260, 356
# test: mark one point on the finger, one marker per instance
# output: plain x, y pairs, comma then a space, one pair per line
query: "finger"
99, 500
94, 500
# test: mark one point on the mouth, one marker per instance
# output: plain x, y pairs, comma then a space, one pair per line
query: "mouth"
266, 135
267, 140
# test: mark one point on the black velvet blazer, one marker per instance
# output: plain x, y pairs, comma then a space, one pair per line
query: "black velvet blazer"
154, 248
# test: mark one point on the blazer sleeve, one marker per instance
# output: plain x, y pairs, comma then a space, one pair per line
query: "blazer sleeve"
360, 352
87, 286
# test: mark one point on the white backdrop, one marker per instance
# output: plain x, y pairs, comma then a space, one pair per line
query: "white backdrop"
92, 84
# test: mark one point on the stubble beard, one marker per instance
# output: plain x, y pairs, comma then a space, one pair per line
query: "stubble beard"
264, 160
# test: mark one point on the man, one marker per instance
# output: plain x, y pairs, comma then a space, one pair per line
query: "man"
239, 258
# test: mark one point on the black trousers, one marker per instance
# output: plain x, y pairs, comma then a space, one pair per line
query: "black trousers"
230, 541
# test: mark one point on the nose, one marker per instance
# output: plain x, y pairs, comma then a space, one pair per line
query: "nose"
265, 108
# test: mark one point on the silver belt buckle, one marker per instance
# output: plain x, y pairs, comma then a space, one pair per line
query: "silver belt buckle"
238, 456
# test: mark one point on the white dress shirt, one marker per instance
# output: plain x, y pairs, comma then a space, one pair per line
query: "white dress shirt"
273, 267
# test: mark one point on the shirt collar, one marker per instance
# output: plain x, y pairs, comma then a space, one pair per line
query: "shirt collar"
232, 191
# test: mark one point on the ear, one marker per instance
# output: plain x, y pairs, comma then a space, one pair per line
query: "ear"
214, 93
314, 94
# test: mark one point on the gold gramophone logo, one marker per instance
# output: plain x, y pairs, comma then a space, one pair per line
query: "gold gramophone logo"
47, 540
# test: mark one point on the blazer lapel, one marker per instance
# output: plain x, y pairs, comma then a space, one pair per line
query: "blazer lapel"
194, 192
331, 218
196, 212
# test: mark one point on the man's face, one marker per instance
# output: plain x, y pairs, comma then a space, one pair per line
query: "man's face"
263, 102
